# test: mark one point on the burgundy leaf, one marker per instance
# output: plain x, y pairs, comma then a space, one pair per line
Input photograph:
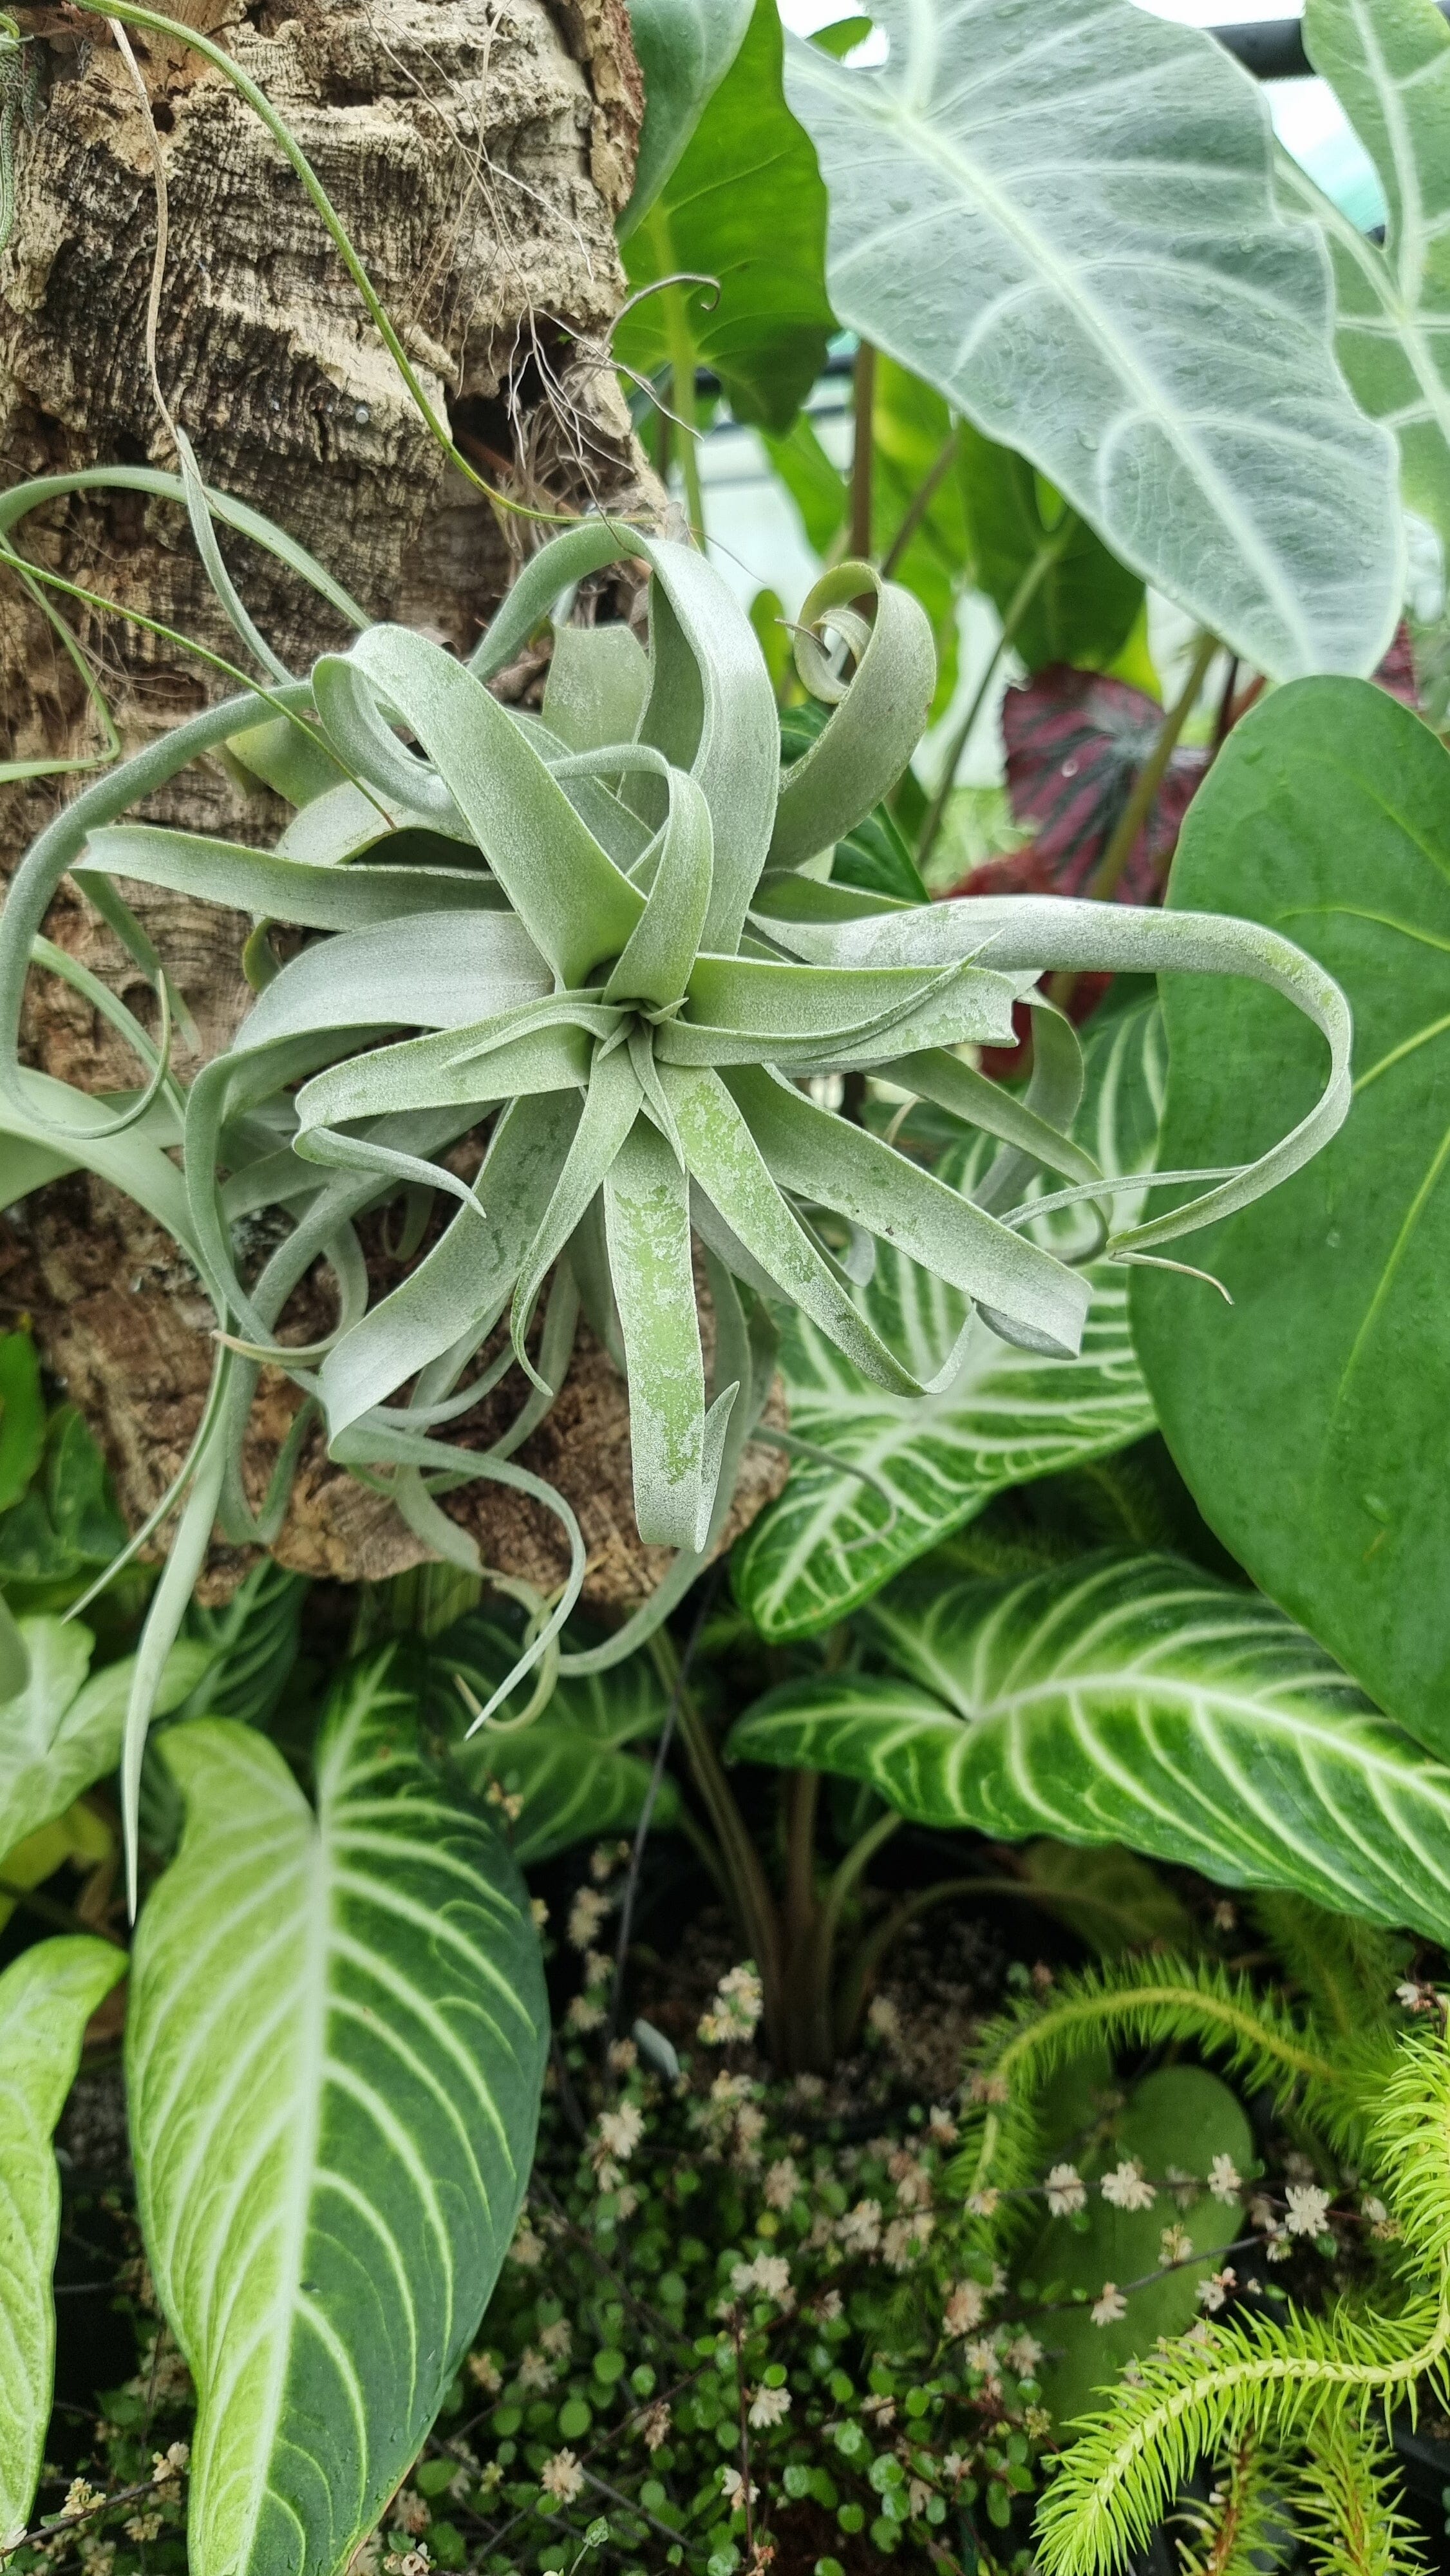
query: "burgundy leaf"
1076, 743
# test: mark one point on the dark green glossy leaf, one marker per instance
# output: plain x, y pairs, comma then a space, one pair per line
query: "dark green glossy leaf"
1083, 610
685, 48
22, 1416
1308, 1416
745, 205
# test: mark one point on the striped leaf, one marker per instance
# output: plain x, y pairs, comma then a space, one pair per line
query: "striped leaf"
830, 1540
1134, 1700
570, 1766
62, 1732
335, 2048
46, 1999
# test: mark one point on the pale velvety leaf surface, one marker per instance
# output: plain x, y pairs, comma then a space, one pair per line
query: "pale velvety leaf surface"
46, 1998
829, 1541
1133, 1700
1388, 62
62, 1732
335, 2047
1308, 1416
1065, 221
570, 1766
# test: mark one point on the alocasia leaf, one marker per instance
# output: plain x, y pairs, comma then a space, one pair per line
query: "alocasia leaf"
831, 1539
744, 205
62, 1732
1159, 344
334, 2051
1307, 1416
1133, 1700
570, 1766
1388, 62
47, 1996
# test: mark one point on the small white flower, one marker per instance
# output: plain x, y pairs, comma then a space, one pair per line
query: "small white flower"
585, 1916
562, 2478
1023, 2354
941, 2128
738, 2003
1175, 2245
1224, 2179
527, 2247
535, 2372
984, 2204
988, 2088
883, 2019
583, 2013
769, 2273
782, 2182
1306, 2209
1110, 2307
1213, 2291
982, 2356
1184, 2186
905, 2240
557, 2339
1066, 2191
655, 2429
1225, 1916
732, 2487
1127, 2186
965, 2308
620, 2131
860, 2229
769, 2406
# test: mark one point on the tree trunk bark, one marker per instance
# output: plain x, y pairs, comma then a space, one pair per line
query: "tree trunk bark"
477, 152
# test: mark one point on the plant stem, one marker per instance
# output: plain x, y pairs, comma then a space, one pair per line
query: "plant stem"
802, 1798
918, 506
1022, 598
814, 2017
875, 1948
863, 452
680, 341
1104, 881
749, 1888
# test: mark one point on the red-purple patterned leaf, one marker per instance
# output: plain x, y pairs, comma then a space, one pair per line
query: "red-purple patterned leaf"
1076, 743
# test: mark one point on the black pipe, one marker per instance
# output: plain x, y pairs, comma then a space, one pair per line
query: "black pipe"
1273, 48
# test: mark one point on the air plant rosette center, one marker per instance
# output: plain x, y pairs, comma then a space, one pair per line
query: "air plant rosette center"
611, 931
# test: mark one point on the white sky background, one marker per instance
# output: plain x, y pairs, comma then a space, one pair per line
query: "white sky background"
757, 539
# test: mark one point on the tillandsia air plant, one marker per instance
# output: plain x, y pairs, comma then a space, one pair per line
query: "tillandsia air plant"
611, 930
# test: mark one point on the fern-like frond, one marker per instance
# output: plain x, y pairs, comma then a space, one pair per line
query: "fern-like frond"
1137, 2003
1235, 2532
1346, 2501
1347, 1968
1197, 2398
1409, 2148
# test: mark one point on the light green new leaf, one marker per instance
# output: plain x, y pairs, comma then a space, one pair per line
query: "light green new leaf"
46, 1998
570, 1766
1067, 225
744, 205
334, 2053
1307, 1416
1133, 1700
62, 1733
1388, 62
685, 48
830, 1540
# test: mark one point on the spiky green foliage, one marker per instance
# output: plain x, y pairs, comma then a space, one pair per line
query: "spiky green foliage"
1344, 2504
1235, 2531
1134, 2003
1307, 2380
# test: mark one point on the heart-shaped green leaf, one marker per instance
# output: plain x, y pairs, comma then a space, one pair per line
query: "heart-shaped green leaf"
830, 1540
1133, 1700
685, 48
1162, 350
744, 206
1308, 1416
47, 1996
62, 1733
334, 2053
570, 1766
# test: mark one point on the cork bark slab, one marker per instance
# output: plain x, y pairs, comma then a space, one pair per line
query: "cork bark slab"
477, 152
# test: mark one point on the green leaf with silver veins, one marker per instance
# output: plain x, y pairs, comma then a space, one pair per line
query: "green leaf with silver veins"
1066, 222
1133, 1700
334, 2053
47, 1996
1388, 63
830, 1540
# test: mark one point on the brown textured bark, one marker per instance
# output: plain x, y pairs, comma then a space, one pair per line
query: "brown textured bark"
477, 152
